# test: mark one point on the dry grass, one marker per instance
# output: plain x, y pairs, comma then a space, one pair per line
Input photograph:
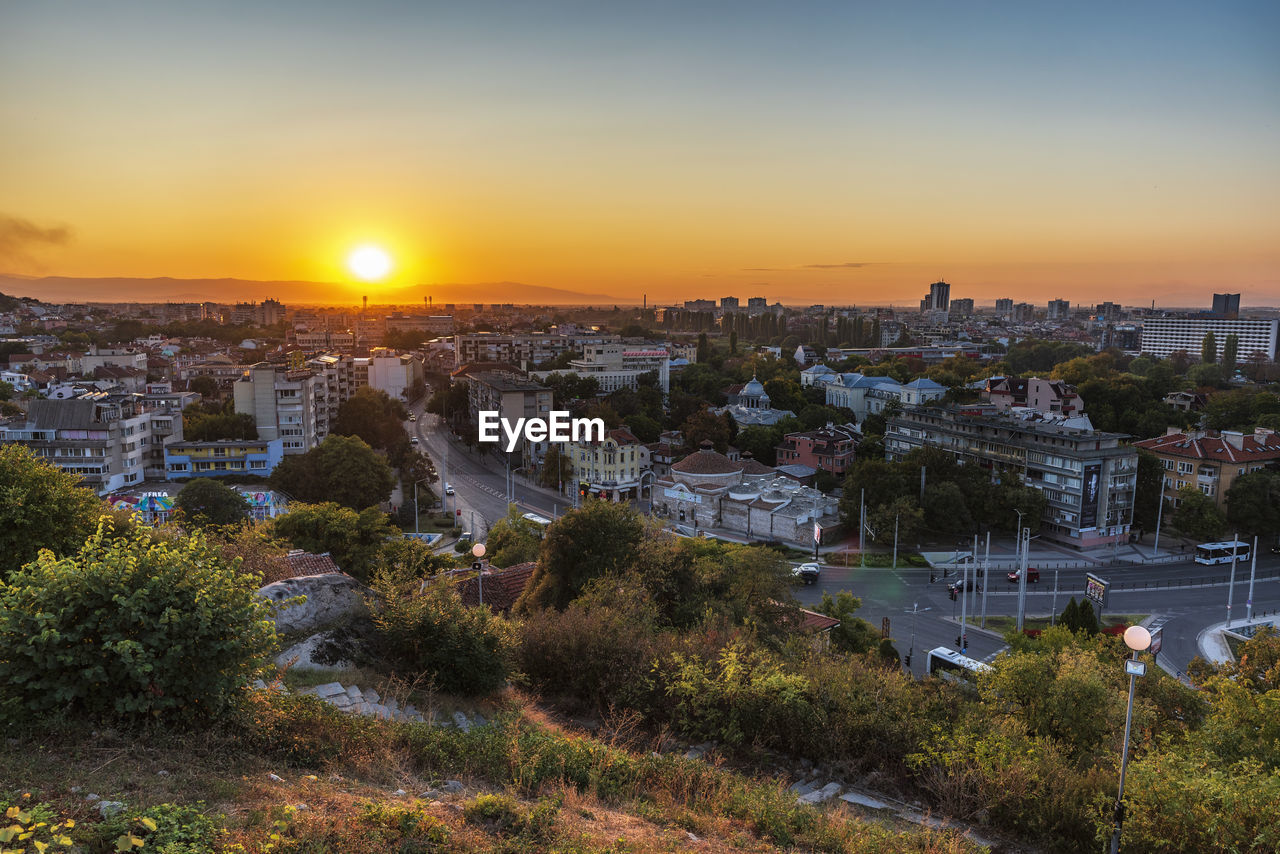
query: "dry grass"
342, 774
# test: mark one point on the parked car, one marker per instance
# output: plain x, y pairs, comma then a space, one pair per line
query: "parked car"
959, 585
1033, 575
413, 418
448, 489
807, 572
413, 441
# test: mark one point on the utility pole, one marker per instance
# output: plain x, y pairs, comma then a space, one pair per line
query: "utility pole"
986, 579
1024, 537
915, 606
922, 468
1053, 613
895, 540
964, 600
1155, 551
862, 529
1231, 588
1253, 570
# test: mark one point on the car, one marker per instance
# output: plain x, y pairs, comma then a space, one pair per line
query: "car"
1033, 576
413, 441
413, 418
957, 586
448, 489
807, 572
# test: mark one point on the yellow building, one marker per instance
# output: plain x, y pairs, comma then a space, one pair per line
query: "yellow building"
612, 468
1211, 461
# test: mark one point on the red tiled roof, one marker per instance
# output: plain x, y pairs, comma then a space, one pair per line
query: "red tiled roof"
1254, 446
305, 563
502, 587
812, 621
706, 462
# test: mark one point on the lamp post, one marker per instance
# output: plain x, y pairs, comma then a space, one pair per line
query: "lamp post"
1137, 639
477, 551
915, 607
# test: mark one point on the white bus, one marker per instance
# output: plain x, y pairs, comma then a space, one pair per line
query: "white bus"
541, 521
951, 665
1221, 552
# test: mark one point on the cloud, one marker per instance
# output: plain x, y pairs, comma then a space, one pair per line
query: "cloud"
845, 265
19, 236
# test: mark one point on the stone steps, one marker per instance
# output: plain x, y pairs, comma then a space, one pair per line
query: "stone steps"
368, 702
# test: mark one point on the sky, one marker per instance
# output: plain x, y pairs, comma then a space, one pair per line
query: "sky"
842, 152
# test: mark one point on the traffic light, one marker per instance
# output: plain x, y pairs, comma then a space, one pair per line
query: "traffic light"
908, 660
933, 576
953, 594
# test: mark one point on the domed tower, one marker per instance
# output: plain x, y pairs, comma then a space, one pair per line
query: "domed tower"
753, 395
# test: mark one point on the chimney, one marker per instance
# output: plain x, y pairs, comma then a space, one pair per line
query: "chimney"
366, 303
1234, 438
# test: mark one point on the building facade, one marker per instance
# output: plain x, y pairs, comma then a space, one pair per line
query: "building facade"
111, 440
1088, 477
1054, 396
287, 404
512, 397
616, 468
832, 448
222, 457
1162, 336
1211, 461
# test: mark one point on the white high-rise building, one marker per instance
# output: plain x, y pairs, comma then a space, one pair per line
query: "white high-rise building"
1164, 335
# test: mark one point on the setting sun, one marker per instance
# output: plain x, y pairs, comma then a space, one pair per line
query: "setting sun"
369, 263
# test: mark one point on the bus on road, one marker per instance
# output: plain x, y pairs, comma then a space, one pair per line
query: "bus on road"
949, 664
1210, 553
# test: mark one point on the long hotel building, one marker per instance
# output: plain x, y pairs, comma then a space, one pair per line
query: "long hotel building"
1162, 336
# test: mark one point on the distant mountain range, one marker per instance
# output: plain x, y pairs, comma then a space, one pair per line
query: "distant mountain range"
165, 289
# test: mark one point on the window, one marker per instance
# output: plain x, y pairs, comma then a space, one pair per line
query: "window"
1186, 468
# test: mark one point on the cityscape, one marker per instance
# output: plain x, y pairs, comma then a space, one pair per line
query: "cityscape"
426, 432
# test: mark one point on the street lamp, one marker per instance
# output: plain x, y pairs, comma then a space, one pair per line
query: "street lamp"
1137, 639
477, 551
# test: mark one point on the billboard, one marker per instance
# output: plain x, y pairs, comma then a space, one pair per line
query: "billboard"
1095, 590
1089, 495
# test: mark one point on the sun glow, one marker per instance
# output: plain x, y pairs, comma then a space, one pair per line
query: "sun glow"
369, 263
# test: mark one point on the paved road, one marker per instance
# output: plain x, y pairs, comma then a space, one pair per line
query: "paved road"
480, 483
1188, 609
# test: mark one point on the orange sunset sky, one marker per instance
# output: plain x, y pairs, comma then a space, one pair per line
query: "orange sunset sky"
806, 152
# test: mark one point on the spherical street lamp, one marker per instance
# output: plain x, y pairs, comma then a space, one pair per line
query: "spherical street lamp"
1137, 639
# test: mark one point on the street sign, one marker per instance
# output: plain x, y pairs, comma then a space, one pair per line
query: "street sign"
884, 628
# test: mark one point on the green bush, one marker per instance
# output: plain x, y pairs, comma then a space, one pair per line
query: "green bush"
41, 507
432, 634
130, 627
166, 828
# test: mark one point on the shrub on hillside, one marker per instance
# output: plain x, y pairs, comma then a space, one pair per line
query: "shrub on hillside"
433, 635
131, 627
41, 507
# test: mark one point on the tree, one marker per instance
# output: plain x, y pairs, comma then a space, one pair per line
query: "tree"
211, 422
557, 468
41, 507
945, 509
733, 342
131, 627
594, 540
513, 539
706, 426
206, 387
372, 415
341, 469
1253, 503
1209, 349
854, 634
431, 634
353, 539
1197, 516
1230, 352
704, 349
902, 511
207, 501
644, 428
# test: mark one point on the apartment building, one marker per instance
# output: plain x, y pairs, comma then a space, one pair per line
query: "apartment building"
1058, 309
1162, 336
613, 468
1041, 395
1088, 476
614, 365
522, 350
832, 448
866, 395
512, 397
222, 457
1211, 461
389, 371
290, 404
111, 440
